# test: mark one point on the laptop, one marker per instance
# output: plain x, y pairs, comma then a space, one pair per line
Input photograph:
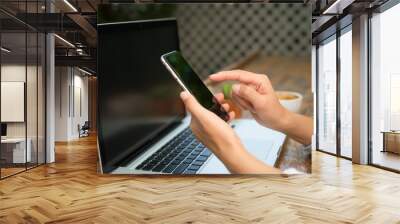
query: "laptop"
142, 124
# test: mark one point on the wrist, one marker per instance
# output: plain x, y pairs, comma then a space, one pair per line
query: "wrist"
232, 156
285, 121
229, 148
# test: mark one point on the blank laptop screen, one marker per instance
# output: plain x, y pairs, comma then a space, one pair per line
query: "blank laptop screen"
138, 98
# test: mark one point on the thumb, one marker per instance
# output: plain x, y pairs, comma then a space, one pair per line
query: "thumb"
190, 102
246, 92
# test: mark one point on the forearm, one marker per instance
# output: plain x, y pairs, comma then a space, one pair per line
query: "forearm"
298, 127
238, 161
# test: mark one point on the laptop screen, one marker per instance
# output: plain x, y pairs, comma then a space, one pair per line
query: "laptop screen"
138, 98
3, 129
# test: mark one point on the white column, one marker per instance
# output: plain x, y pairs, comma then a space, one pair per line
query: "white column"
50, 92
360, 90
314, 91
50, 99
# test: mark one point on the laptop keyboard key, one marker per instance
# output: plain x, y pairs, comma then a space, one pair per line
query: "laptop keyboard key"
201, 158
147, 167
195, 153
176, 161
194, 167
190, 172
198, 163
176, 156
180, 168
158, 168
206, 153
192, 156
169, 169
184, 153
187, 160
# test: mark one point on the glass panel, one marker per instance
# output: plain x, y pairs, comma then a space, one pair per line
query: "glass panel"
41, 99
31, 98
13, 86
32, 88
23, 90
327, 96
346, 94
385, 84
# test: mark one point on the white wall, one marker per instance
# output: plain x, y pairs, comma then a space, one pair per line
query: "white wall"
62, 81
16, 73
70, 83
81, 84
33, 127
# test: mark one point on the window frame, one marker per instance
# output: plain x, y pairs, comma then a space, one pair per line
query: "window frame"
381, 9
27, 29
339, 32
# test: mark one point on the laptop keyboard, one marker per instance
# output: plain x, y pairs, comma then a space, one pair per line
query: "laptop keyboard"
182, 155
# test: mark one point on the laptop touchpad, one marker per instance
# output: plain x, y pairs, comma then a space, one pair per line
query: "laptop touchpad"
258, 148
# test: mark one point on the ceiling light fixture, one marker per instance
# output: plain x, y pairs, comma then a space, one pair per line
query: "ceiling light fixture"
337, 7
70, 5
84, 71
79, 51
5, 50
65, 41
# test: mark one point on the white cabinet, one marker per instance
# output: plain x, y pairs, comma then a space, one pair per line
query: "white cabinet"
16, 148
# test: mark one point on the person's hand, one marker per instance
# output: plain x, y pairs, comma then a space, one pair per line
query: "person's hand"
220, 138
210, 129
254, 92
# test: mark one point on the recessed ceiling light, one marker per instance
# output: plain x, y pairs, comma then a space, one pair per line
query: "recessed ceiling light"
84, 71
70, 5
65, 41
337, 7
5, 50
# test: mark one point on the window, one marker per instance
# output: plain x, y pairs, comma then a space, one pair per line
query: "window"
385, 89
22, 78
334, 106
346, 92
327, 96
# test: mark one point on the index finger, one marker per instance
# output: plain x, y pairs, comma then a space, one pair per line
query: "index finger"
236, 75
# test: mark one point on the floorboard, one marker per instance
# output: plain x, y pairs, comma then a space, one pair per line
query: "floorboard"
71, 191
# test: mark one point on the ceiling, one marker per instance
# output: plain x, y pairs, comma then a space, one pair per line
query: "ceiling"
75, 21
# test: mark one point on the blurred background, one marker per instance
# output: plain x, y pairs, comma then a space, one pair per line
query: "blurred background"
266, 38
270, 38
213, 36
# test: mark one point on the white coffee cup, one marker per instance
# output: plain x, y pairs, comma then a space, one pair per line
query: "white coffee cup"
290, 100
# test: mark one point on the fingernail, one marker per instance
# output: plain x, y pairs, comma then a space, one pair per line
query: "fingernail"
236, 88
184, 95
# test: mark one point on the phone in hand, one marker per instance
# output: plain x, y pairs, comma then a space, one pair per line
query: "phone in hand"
191, 82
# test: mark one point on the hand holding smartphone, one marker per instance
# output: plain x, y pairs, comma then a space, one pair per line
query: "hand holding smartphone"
190, 81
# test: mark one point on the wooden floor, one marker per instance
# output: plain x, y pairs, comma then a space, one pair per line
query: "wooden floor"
70, 191
387, 159
10, 171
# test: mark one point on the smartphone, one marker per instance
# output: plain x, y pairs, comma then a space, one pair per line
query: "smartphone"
191, 82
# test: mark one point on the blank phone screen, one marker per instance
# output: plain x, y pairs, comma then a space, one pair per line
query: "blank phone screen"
194, 84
